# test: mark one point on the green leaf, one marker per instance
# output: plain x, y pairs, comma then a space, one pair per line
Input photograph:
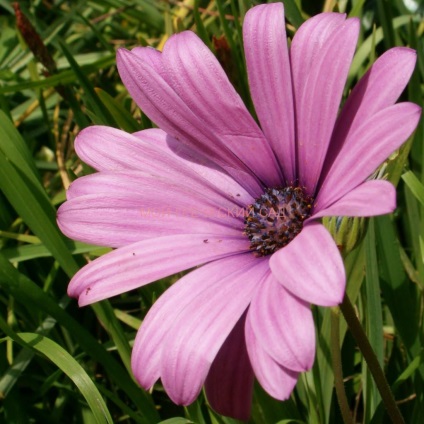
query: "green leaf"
409, 371
61, 78
374, 319
367, 46
33, 251
399, 293
73, 370
292, 13
356, 9
92, 99
28, 293
200, 27
109, 321
122, 117
20, 185
415, 185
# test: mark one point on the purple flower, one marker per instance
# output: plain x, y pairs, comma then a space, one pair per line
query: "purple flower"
212, 188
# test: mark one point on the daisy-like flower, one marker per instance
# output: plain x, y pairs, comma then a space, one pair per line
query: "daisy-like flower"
212, 188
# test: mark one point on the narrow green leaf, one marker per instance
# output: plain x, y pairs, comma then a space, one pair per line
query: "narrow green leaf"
123, 118
24, 238
28, 293
384, 12
356, 9
363, 52
291, 422
409, 371
200, 27
33, 251
373, 313
14, 148
265, 409
399, 293
354, 265
90, 95
194, 411
127, 319
73, 370
109, 321
372, 290
61, 78
28, 197
292, 13
415, 185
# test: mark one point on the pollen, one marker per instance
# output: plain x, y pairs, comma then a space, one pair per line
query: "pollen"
276, 218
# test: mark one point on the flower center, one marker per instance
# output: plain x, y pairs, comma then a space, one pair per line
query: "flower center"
276, 218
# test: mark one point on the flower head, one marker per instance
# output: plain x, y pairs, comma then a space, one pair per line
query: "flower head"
212, 188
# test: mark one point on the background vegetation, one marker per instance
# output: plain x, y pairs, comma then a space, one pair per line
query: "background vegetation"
62, 364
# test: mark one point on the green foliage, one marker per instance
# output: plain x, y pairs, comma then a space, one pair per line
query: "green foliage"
62, 364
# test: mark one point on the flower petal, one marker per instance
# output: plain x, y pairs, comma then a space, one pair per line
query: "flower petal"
118, 208
190, 161
181, 152
278, 381
283, 325
133, 266
375, 197
194, 291
268, 68
229, 385
308, 43
114, 221
165, 107
379, 88
366, 148
152, 57
319, 79
155, 152
153, 193
109, 149
199, 80
311, 267
200, 329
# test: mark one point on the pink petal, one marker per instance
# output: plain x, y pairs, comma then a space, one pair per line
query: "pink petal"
133, 266
283, 326
194, 167
278, 381
114, 209
180, 151
165, 107
109, 149
193, 293
366, 148
311, 267
180, 196
200, 329
199, 80
319, 80
114, 221
268, 67
153, 58
369, 199
153, 151
379, 88
229, 384
308, 43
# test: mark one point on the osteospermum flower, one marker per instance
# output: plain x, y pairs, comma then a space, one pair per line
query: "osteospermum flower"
212, 188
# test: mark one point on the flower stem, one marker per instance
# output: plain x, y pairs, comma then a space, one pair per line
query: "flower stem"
337, 366
372, 361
